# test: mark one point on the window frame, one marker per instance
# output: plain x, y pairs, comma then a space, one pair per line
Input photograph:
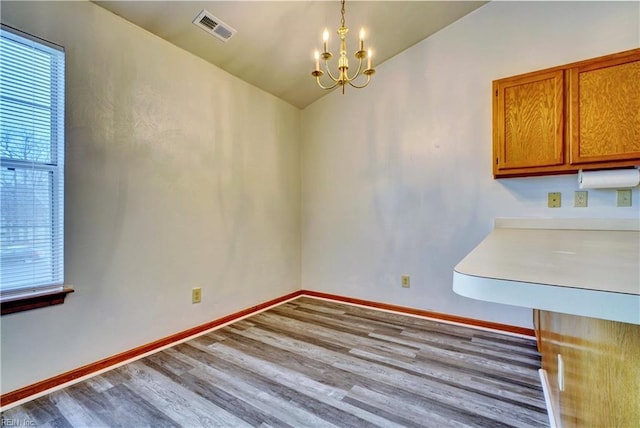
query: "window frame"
52, 292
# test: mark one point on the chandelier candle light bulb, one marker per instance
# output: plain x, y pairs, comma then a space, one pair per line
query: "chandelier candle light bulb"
325, 39
343, 78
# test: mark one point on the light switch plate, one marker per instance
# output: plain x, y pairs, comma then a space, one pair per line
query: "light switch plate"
623, 197
554, 199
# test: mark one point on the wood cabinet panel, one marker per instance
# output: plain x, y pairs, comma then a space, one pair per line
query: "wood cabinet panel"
529, 120
536, 328
601, 370
584, 115
605, 110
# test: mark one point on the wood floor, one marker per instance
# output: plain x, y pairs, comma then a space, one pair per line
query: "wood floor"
312, 363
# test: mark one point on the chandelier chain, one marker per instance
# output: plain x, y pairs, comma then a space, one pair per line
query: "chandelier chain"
342, 11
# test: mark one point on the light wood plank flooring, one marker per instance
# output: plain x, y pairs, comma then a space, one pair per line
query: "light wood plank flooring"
313, 363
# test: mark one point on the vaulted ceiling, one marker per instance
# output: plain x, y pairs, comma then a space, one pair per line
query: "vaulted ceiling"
274, 44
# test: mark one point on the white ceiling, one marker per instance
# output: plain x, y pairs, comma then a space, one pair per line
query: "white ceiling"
275, 40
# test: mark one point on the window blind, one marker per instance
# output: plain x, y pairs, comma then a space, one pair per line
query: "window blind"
31, 162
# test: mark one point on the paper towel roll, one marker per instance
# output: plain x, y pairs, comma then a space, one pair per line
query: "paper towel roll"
609, 179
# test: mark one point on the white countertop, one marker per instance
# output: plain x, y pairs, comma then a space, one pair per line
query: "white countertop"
547, 265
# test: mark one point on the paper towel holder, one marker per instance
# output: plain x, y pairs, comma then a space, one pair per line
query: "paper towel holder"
622, 178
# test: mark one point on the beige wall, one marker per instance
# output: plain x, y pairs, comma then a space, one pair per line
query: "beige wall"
402, 183
178, 175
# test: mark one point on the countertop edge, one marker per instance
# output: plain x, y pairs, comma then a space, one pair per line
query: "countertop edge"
584, 302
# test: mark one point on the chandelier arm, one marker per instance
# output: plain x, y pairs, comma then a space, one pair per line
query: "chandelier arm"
355, 76
325, 87
326, 66
365, 84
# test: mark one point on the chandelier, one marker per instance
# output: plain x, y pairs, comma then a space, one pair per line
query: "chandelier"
343, 78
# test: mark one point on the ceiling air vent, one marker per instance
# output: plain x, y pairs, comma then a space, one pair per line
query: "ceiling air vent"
214, 26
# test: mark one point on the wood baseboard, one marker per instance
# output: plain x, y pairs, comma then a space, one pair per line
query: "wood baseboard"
73, 375
428, 314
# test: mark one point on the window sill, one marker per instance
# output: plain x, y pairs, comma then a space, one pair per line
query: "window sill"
26, 302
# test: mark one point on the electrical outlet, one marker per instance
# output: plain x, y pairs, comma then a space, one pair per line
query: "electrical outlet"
580, 198
623, 198
405, 280
196, 295
554, 199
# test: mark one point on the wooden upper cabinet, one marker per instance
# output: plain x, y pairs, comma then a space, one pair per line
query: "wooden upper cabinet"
528, 121
584, 115
605, 109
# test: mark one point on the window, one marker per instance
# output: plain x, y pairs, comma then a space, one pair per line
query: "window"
31, 164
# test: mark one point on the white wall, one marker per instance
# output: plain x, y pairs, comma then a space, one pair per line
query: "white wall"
397, 176
178, 175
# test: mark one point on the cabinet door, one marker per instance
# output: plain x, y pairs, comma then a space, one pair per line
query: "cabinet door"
604, 109
528, 112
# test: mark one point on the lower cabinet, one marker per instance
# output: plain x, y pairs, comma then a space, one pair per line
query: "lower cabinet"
601, 369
